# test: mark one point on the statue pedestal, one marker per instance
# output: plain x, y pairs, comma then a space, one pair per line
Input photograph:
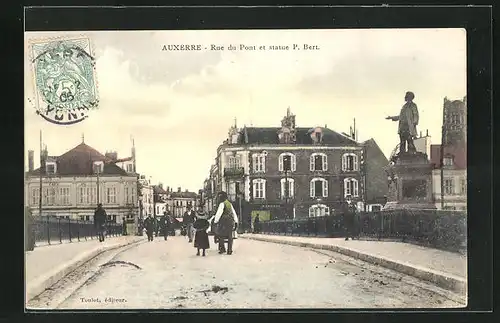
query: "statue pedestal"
410, 183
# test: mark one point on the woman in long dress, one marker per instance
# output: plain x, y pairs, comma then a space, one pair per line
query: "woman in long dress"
201, 236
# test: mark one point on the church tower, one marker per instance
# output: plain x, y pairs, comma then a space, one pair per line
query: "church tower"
455, 122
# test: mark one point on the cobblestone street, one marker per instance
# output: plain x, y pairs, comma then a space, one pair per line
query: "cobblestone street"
168, 274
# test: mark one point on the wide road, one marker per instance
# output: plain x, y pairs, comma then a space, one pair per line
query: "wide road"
168, 274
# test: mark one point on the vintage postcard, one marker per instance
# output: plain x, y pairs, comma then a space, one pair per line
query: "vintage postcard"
246, 169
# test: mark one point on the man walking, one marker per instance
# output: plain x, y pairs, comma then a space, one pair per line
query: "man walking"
149, 224
165, 225
188, 220
349, 218
256, 224
226, 221
100, 217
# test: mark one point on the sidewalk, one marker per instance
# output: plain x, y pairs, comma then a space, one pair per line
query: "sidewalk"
443, 268
45, 265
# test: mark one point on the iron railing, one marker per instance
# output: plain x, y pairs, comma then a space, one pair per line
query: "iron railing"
441, 229
55, 230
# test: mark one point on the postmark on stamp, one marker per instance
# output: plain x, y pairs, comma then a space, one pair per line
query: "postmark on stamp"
64, 79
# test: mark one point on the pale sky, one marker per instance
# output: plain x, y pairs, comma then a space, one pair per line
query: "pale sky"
178, 106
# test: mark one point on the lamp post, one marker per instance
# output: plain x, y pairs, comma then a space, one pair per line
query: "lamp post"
286, 168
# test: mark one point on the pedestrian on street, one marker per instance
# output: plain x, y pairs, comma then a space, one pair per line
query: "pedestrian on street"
349, 218
256, 224
149, 223
226, 222
201, 236
100, 218
124, 226
165, 225
188, 220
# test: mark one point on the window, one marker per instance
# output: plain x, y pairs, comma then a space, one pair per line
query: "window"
349, 162
133, 194
259, 188
318, 162
286, 161
455, 119
64, 195
351, 187
234, 162
259, 163
88, 195
287, 192
49, 196
463, 186
448, 161
111, 195
35, 196
319, 187
98, 167
319, 210
130, 168
50, 168
448, 186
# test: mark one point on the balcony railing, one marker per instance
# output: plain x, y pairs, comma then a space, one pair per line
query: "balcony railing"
234, 172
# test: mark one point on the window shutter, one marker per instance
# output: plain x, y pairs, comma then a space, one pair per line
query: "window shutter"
355, 162
327, 210
311, 211
311, 163
294, 163
263, 183
283, 191
346, 187
355, 187
344, 163
280, 163
325, 188
325, 163
311, 188
254, 188
291, 188
263, 163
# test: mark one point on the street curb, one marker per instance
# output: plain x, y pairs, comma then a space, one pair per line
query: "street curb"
443, 280
39, 285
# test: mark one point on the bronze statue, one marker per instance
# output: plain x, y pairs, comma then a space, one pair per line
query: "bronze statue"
408, 121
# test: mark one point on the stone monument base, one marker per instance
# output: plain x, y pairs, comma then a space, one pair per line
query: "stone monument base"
410, 183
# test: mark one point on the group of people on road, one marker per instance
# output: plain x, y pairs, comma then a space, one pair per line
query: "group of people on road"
196, 224
224, 224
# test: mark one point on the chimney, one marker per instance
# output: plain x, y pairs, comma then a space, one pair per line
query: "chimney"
160, 185
113, 155
44, 156
186, 190
31, 160
178, 189
326, 126
420, 134
427, 132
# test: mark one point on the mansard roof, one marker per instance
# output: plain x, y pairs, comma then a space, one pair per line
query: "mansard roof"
79, 162
269, 135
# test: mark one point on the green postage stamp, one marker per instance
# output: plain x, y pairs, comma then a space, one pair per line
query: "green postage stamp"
65, 80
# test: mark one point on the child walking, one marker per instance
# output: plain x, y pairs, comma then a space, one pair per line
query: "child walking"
201, 236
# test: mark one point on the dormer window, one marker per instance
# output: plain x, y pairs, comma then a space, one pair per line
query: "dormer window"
317, 136
448, 161
50, 168
98, 167
130, 168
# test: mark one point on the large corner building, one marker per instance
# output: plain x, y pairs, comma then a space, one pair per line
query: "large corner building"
73, 183
289, 172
